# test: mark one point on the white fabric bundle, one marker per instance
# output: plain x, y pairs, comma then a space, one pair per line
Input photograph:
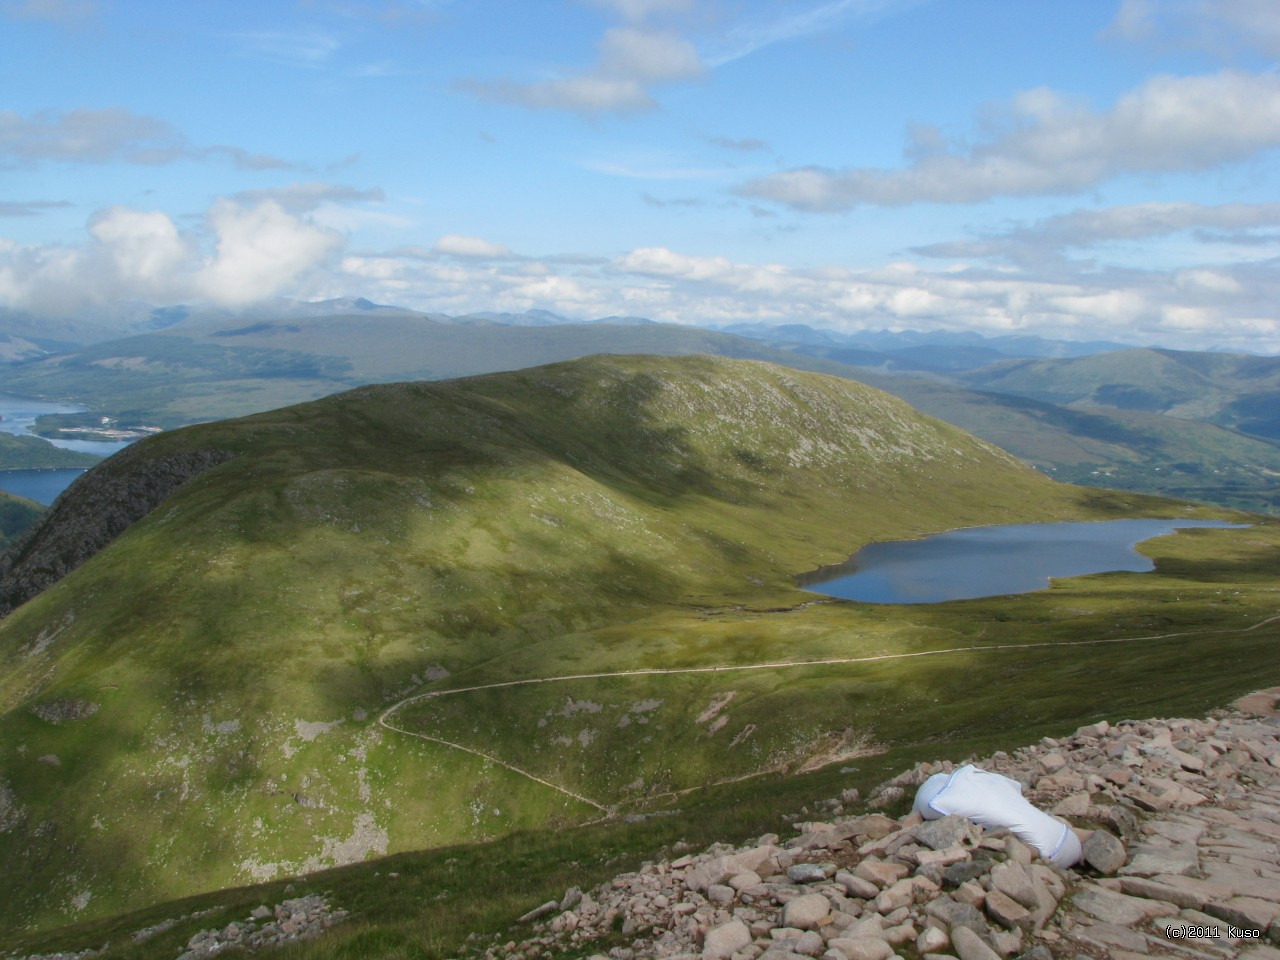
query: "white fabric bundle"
990, 800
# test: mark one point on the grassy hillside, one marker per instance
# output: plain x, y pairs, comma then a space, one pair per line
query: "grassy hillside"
196, 706
1125, 449
1193, 642
1232, 390
16, 515
1044, 411
33, 453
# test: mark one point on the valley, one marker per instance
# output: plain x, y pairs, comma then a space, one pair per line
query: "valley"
328, 565
508, 481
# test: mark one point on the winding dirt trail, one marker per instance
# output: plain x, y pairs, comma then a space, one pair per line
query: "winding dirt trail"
608, 811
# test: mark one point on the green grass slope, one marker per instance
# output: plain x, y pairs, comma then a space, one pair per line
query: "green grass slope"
33, 453
1233, 390
196, 706
16, 515
997, 674
1124, 449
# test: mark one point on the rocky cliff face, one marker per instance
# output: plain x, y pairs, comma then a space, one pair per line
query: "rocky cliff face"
93, 511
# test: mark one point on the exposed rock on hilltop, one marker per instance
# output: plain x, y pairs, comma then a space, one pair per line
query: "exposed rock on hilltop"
1182, 862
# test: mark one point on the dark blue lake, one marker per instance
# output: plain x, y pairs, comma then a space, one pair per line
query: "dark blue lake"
42, 486
990, 561
17, 416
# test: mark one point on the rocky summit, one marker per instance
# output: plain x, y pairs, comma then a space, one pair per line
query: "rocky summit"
1181, 862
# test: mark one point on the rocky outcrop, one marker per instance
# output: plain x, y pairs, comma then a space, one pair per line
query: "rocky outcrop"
98, 507
64, 710
301, 918
1182, 862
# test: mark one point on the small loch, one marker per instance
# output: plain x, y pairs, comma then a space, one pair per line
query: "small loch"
991, 561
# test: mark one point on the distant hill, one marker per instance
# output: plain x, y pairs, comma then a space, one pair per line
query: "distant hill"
1232, 390
34, 453
1101, 418
193, 373
197, 700
915, 349
1123, 449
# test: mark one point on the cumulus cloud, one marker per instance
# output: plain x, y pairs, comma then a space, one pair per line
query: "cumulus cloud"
629, 62
109, 135
144, 249
1050, 145
1194, 308
260, 250
246, 253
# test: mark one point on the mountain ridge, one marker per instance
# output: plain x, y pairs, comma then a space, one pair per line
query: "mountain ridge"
211, 366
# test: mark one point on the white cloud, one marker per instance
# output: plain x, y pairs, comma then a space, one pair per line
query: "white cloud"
63, 12
109, 135
29, 208
648, 56
1219, 26
144, 247
1134, 21
243, 159
291, 49
1211, 281
1079, 229
260, 251
251, 251
1049, 145
790, 21
745, 143
257, 251
637, 10
630, 60
305, 197
587, 94
653, 165
1084, 227
1194, 308
86, 136
471, 247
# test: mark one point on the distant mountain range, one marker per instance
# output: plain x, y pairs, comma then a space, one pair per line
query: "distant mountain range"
1200, 425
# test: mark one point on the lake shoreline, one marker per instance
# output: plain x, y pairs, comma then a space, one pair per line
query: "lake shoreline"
969, 563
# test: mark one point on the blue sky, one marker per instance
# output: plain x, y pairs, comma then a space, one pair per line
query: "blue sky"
1094, 169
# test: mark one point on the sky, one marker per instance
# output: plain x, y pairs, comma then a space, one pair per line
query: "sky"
1098, 169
